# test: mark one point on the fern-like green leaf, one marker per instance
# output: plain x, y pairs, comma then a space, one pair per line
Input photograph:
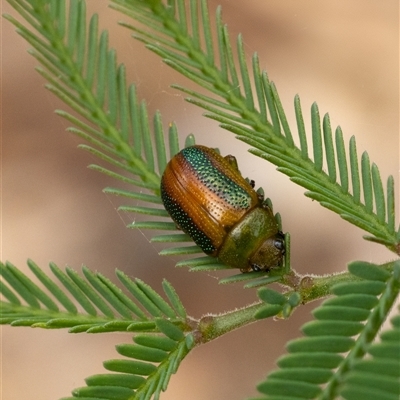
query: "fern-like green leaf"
333, 357
144, 372
107, 307
84, 73
378, 376
231, 100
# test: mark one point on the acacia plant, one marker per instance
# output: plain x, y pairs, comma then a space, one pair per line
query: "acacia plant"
343, 352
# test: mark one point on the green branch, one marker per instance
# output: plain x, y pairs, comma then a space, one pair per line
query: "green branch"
307, 289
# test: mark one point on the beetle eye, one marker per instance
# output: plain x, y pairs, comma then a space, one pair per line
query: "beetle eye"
279, 244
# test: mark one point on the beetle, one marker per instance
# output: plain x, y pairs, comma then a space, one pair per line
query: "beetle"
208, 198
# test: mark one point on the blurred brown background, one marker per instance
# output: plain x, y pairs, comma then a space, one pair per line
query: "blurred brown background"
342, 54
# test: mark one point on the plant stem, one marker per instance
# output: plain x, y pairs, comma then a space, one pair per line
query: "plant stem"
310, 288
212, 326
